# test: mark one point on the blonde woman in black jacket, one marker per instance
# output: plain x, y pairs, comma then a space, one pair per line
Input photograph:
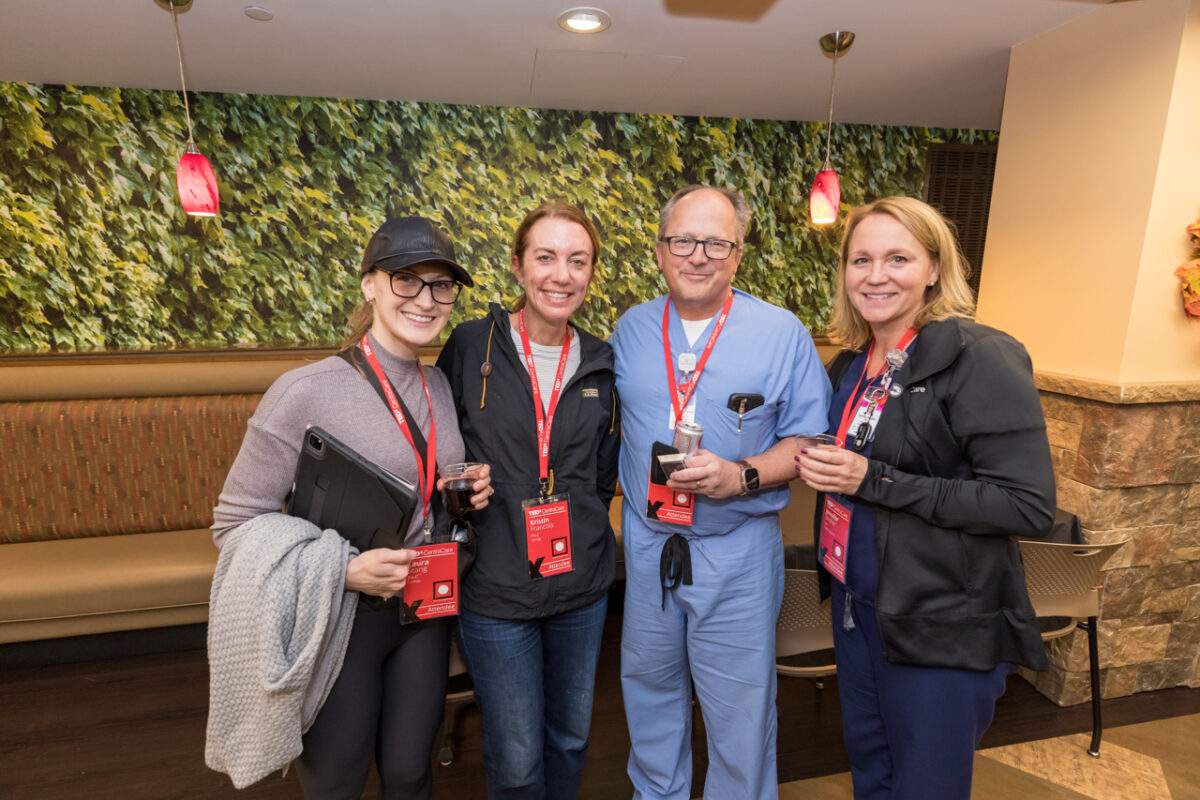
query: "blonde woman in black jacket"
535, 400
945, 463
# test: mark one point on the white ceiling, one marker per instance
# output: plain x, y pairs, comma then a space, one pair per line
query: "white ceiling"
915, 62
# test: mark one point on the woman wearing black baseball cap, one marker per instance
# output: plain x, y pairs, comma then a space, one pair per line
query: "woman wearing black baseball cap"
387, 699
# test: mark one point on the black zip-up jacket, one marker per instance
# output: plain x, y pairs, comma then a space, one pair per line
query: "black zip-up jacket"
960, 469
498, 425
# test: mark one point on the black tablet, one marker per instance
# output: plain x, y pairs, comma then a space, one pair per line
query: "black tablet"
337, 488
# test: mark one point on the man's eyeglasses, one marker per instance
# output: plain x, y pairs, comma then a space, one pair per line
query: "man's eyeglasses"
684, 246
408, 286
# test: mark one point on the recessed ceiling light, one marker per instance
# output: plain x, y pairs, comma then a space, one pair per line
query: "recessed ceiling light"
584, 20
259, 13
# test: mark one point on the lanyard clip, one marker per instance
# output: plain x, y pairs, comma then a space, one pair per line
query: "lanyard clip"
862, 436
544, 486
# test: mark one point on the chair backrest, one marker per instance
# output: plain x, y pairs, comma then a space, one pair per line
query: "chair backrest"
1063, 579
804, 624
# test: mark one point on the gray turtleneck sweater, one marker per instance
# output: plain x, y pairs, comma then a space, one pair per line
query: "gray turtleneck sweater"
330, 393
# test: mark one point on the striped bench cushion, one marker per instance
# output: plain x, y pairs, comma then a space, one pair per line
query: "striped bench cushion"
101, 467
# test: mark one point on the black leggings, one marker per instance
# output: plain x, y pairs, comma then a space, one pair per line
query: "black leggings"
387, 702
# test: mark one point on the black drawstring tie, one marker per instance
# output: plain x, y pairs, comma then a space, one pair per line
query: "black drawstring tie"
674, 565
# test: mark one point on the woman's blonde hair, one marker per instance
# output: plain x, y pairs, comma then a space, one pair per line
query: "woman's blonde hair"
950, 295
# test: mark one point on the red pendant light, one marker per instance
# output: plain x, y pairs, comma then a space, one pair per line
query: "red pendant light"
194, 177
197, 183
826, 196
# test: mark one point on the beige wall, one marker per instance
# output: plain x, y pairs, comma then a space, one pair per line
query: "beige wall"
1162, 342
1095, 182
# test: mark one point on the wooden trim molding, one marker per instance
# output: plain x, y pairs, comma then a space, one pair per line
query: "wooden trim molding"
161, 374
169, 373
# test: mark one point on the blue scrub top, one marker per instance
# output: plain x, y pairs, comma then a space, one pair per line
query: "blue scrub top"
763, 349
862, 565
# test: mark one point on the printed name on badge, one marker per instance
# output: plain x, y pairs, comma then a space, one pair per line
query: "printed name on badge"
432, 587
548, 535
835, 532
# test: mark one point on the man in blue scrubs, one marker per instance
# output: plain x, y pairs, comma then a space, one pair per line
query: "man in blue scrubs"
702, 596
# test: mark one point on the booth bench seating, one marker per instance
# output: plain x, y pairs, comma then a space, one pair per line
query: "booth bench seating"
110, 469
106, 504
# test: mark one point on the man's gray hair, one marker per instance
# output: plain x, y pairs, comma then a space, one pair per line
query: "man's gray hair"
741, 209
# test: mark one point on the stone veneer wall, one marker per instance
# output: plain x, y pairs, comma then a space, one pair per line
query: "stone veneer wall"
1127, 463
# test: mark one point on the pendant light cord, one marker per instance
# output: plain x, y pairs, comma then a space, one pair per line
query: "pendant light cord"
832, 82
187, 112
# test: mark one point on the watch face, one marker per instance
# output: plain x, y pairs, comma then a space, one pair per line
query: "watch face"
749, 477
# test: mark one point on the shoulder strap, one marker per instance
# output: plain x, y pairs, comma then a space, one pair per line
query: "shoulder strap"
837, 368
354, 356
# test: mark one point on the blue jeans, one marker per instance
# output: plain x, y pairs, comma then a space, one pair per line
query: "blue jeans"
534, 681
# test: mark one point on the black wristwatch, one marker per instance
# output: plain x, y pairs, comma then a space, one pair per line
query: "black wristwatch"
749, 477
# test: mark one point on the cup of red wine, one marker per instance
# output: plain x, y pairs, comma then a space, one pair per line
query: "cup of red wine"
460, 478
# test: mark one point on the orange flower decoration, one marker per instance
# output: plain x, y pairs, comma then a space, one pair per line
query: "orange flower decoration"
1189, 275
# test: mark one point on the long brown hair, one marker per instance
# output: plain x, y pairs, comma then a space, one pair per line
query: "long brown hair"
950, 295
553, 209
358, 324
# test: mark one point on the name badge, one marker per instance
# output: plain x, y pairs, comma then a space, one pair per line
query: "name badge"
548, 535
432, 587
664, 504
835, 531
864, 414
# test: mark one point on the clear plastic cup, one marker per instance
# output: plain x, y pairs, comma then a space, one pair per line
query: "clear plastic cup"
805, 440
460, 478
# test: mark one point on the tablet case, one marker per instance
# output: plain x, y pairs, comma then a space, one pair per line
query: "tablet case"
337, 488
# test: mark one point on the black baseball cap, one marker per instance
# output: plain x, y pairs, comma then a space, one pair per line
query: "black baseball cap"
407, 241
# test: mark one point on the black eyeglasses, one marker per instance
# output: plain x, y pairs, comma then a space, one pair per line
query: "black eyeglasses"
408, 286
684, 246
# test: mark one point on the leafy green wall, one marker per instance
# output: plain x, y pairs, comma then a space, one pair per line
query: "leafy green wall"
95, 252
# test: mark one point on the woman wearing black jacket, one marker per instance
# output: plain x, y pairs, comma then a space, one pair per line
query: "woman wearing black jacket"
945, 463
536, 401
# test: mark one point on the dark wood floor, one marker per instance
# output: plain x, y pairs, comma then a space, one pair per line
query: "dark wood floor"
129, 725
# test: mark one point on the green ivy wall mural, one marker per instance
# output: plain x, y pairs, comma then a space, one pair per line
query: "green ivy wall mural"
95, 253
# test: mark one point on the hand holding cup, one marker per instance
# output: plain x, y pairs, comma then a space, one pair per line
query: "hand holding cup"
467, 485
824, 465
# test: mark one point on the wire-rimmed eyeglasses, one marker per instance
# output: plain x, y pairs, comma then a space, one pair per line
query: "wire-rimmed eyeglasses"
684, 246
408, 286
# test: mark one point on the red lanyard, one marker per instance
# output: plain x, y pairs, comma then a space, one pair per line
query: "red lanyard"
855, 400
544, 422
427, 465
689, 387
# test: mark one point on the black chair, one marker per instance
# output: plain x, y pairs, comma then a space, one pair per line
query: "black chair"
804, 631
